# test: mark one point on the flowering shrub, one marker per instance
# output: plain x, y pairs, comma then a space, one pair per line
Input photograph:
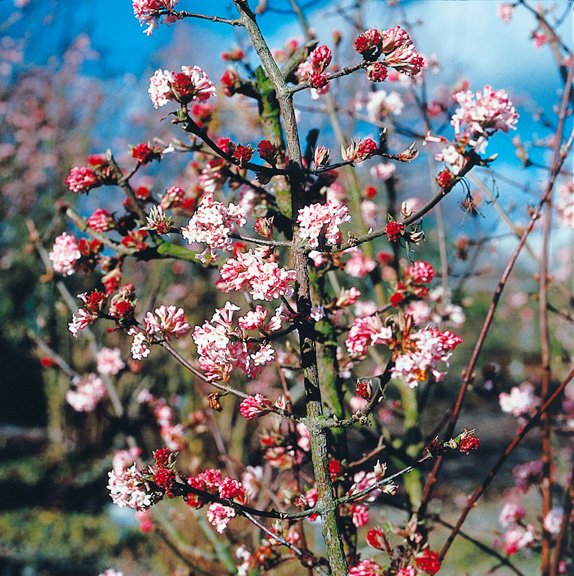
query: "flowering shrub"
285, 235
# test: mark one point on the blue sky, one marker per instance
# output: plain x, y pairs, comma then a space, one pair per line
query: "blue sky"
466, 36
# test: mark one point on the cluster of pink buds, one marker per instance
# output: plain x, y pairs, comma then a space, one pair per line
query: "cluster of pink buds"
313, 70
464, 443
82, 179
359, 151
144, 153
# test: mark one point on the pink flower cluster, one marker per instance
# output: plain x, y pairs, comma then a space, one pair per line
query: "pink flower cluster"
250, 271
254, 406
401, 53
313, 71
565, 204
94, 303
148, 11
480, 115
64, 254
211, 224
128, 489
520, 401
81, 179
366, 568
322, 218
167, 321
221, 348
88, 392
190, 85
396, 46
367, 332
421, 354
420, 272
101, 220
140, 347
359, 265
212, 482
109, 361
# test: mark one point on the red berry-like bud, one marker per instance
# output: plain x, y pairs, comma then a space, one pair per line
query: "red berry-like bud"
377, 72
444, 178
394, 231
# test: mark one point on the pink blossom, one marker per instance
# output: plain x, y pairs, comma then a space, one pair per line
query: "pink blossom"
424, 351
168, 321
111, 572
360, 515
420, 312
174, 437
450, 155
140, 346
347, 297
64, 254
254, 319
322, 218
565, 204
163, 413
382, 104
521, 400
320, 58
517, 538
148, 12
371, 213
367, 332
128, 488
539, 39
404, 58
504, 12
265, 280
109, 361
232, 490
88, 392
511, 514
304, 441
159, 88
359, 265
219, 516
212, 223
527, 475
553, 520
254, 406
144, 517
408, 571
482, 114
81, 179
202, 87
101, 220
82, 319
420, 272
221, 349
382, 171
366, 568
123, 458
